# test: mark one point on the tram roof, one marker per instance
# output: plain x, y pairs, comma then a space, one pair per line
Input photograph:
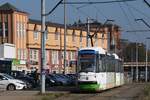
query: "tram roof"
99, 49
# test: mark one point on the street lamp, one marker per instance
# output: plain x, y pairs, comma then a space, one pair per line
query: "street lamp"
137, 54
146, 58
108, 35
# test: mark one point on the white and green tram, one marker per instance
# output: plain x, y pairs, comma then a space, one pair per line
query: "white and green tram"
98, 70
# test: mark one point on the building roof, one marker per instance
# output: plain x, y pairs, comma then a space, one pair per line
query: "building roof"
9, 7
33, 21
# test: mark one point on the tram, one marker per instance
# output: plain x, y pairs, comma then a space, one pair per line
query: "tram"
98, 70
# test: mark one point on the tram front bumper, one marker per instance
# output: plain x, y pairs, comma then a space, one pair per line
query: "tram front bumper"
88, 86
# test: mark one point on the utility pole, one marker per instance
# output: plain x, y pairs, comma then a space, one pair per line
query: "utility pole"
108, 34
146, 69
146, 62
43, 38
65, 31
137, 76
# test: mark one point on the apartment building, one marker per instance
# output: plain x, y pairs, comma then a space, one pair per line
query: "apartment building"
16, 28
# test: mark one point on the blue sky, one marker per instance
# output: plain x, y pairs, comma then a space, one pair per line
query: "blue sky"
124, 14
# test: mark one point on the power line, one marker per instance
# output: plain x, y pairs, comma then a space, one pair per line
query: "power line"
147, 3
97, 2
139, 11
132, 14
137, 31
82, 12
98, 10
53, 8
125, 15
143, 22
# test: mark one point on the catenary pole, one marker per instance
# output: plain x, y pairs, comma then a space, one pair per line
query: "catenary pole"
43, 37
65, 31
88, 32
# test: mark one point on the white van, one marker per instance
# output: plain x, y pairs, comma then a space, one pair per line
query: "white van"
7, 82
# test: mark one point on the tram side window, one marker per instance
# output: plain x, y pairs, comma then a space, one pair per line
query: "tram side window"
121, 67
104, 65
114, 65
117, 66
98, 64
108, 65
111, 66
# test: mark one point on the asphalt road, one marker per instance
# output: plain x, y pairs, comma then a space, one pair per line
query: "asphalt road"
126, 92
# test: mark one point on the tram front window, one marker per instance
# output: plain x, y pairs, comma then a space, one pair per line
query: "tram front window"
87, 65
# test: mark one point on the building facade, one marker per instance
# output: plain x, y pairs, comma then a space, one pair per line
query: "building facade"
16, 28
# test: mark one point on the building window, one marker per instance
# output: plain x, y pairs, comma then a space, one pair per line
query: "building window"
46, 35
72, 55
35, 54
81, 36
56, 34
30, 54
24, 54
20, 29
73, 36
55, 59
24, 29
6, 28
35, 35
17, 27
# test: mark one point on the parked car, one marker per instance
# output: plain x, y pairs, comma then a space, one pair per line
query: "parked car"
64, 80
26, 78
9, 83
51, 81
73, 78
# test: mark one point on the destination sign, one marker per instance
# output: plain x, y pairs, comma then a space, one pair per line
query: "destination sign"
87, 56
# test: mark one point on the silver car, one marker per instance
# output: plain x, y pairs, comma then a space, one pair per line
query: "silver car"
7, 82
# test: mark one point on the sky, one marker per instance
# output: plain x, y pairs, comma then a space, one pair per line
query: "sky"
123, 14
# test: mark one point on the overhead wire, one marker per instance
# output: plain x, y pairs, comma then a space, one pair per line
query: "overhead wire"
96, 8
97, 2
80, 11
127, 18
125, 15
133, 16
137, 10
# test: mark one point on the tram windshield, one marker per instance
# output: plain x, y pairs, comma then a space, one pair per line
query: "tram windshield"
87, 63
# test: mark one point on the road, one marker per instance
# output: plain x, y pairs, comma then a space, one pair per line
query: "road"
126, 92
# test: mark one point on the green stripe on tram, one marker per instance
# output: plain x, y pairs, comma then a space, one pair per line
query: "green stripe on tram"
90, 87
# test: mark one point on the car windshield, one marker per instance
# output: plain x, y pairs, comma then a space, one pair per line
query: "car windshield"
8, 76
87, 65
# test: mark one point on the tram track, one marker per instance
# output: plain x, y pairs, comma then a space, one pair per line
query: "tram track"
126, 92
